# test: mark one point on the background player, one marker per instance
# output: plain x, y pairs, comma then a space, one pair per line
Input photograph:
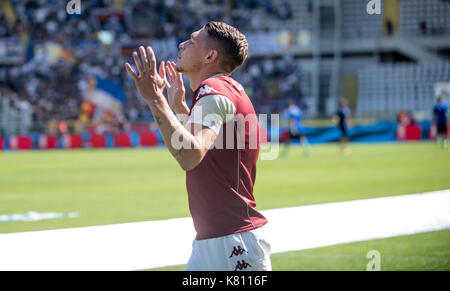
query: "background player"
219, 181
294, 116
440, 121
342, 118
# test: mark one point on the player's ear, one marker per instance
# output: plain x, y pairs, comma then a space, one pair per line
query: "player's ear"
212, 56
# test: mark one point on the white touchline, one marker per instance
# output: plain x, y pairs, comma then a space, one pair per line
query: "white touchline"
36, 216
143, 245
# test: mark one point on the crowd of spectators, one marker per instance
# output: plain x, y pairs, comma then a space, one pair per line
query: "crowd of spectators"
52, 87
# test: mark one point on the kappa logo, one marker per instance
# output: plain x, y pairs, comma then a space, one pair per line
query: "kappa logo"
206, 90
237, 251
242, 265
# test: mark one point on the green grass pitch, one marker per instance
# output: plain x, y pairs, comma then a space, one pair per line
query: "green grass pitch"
130, 185
420, 252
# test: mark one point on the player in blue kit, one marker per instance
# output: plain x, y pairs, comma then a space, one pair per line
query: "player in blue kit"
294, 116
440, 120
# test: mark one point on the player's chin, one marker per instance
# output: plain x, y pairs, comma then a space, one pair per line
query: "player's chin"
179, 68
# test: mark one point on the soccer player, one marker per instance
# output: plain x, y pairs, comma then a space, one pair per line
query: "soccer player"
342, 117
440, 121
294, 117
219, 179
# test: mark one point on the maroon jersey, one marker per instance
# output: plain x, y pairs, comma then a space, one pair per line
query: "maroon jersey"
220, 188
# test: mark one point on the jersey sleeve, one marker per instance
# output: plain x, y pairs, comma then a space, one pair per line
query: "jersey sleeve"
212, 111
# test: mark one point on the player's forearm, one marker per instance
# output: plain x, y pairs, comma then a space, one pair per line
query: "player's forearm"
181, 108
183, 146
182, 112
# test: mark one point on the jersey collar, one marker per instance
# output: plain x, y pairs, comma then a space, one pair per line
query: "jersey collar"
217, 75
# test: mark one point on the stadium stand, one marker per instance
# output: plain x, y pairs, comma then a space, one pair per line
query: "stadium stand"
386, 90
357, 23
53, 55
431, 17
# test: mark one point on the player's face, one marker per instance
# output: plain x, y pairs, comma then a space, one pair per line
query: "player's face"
192, 52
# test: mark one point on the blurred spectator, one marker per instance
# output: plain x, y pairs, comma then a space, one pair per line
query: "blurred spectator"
270, 10
285, 11
342, 118
389, 27
440, 120
423, 27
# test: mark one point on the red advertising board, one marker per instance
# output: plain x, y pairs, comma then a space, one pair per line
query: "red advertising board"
20, 142
97, 141
122, 140
148, 139
47, 142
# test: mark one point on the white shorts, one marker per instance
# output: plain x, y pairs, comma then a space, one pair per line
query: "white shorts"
245, 251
